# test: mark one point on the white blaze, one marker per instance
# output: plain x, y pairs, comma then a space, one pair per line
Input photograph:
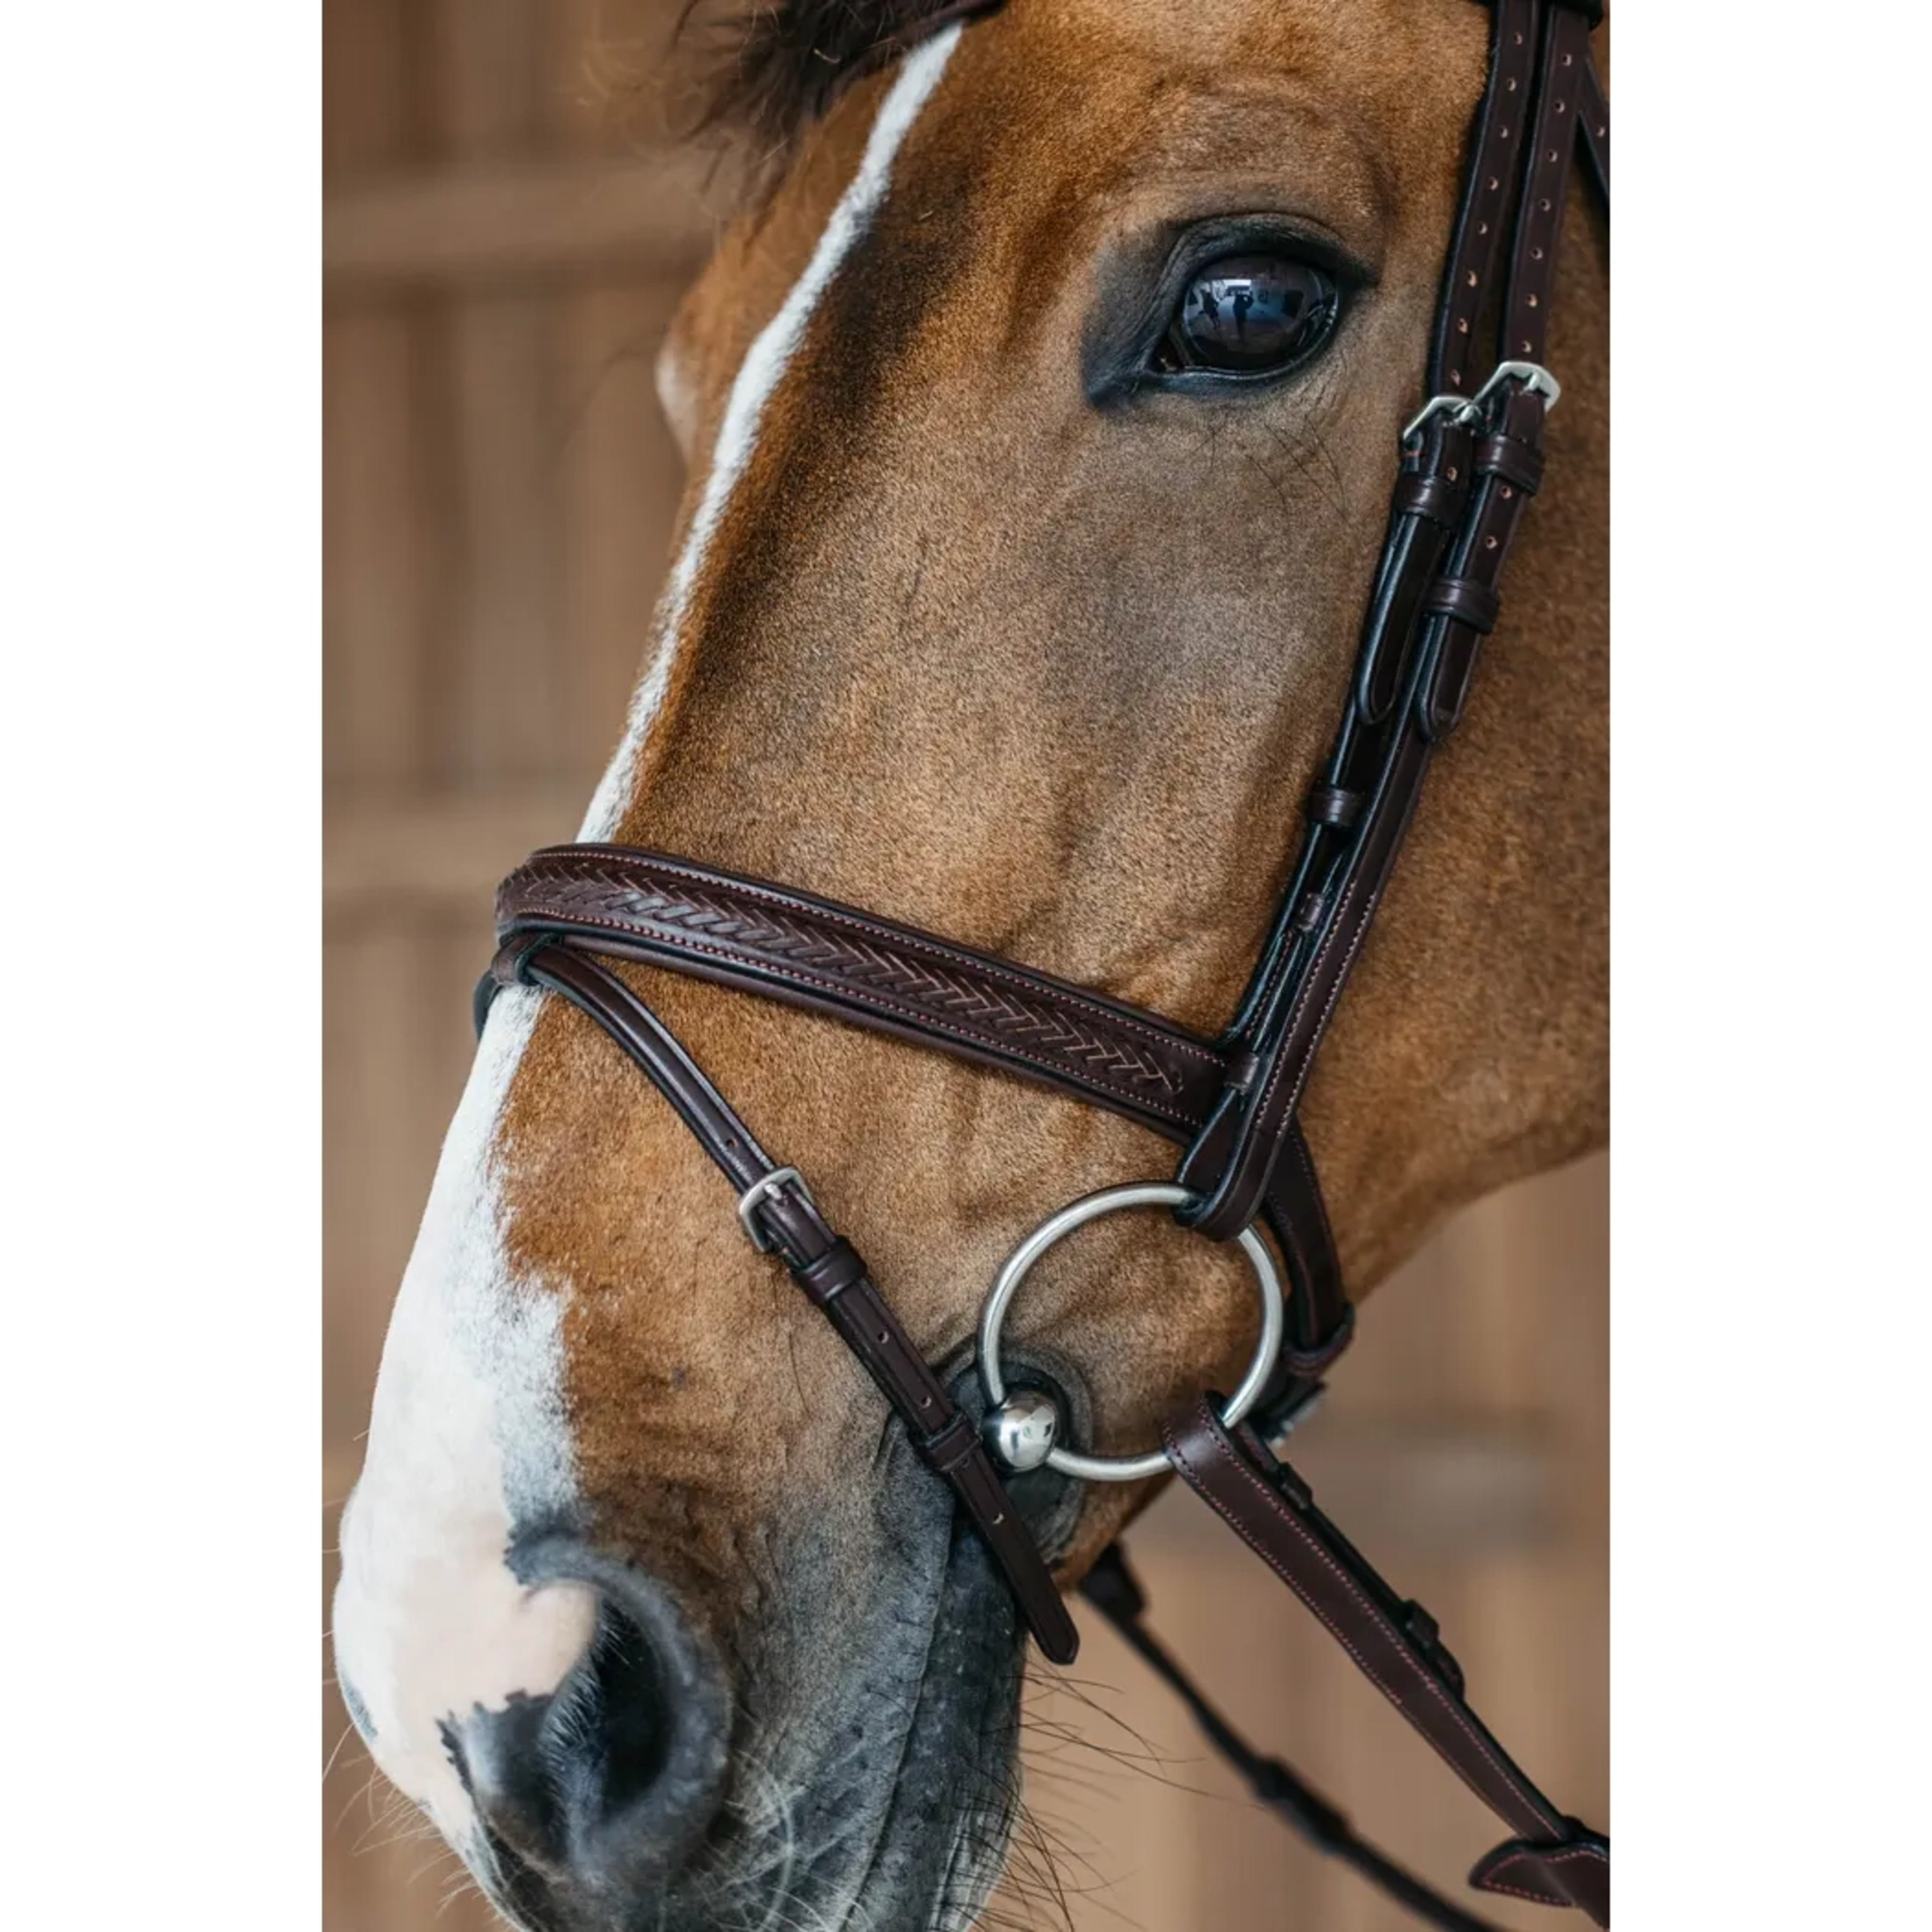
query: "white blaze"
758, 376
469, 1439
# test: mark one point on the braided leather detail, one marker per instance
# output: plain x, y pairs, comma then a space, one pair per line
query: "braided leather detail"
618, 900
683, 911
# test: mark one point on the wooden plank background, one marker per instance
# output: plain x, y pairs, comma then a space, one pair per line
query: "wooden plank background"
500, 264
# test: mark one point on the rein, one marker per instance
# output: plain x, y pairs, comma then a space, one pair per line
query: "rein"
1470, 461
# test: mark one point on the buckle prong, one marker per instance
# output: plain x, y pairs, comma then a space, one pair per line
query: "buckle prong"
761, 1190
1460, 407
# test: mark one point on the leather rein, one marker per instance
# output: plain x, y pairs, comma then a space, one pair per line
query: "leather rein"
1470, 461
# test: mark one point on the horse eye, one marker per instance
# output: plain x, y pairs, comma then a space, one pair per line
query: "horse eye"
1250, 313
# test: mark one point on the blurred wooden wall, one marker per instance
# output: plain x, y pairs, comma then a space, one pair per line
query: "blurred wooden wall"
498, 497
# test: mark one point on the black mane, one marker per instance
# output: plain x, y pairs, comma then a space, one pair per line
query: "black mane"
772, 67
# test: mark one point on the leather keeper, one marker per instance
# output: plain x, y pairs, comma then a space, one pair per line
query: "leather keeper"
506, 969
1333, 805
1426, 1635
1514, 460
511, 967
1308, 1363
1242, 1069
1466, 600
1592, 10
1434, 499
1574, 1871
836, 1270
1447, 690
951, 1446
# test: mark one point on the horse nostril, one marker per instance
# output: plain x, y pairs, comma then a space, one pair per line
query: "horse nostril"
613, 1779
621, 1717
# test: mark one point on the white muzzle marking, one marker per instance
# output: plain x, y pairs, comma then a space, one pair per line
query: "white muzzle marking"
469, 1443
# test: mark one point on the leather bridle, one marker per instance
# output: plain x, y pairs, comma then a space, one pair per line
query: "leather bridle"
1470, 461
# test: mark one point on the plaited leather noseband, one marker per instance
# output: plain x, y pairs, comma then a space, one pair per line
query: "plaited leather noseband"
1470, 461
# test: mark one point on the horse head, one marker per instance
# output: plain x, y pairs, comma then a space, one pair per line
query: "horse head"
1041, 416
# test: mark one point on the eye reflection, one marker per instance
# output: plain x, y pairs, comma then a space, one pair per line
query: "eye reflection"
1248, 313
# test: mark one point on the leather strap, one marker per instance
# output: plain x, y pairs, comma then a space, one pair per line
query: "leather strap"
1489, 193
1382, 754
1468, 471
1595, 110
832, 958
814, 953
1564, 116
1113, 1590
824, 1265
1396, 1644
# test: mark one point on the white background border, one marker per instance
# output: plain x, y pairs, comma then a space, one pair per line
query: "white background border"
159, 718
1769, 710
160, 1076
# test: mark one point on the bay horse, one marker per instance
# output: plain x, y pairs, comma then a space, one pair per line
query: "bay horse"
1015, 595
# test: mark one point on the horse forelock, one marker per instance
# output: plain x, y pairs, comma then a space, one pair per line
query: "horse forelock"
769, 69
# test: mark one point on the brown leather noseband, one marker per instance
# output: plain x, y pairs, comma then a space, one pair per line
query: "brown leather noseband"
1470, 461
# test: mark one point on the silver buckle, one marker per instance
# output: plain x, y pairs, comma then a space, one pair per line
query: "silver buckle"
1531, 375
761, 1190
1468, 410
1460, 407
